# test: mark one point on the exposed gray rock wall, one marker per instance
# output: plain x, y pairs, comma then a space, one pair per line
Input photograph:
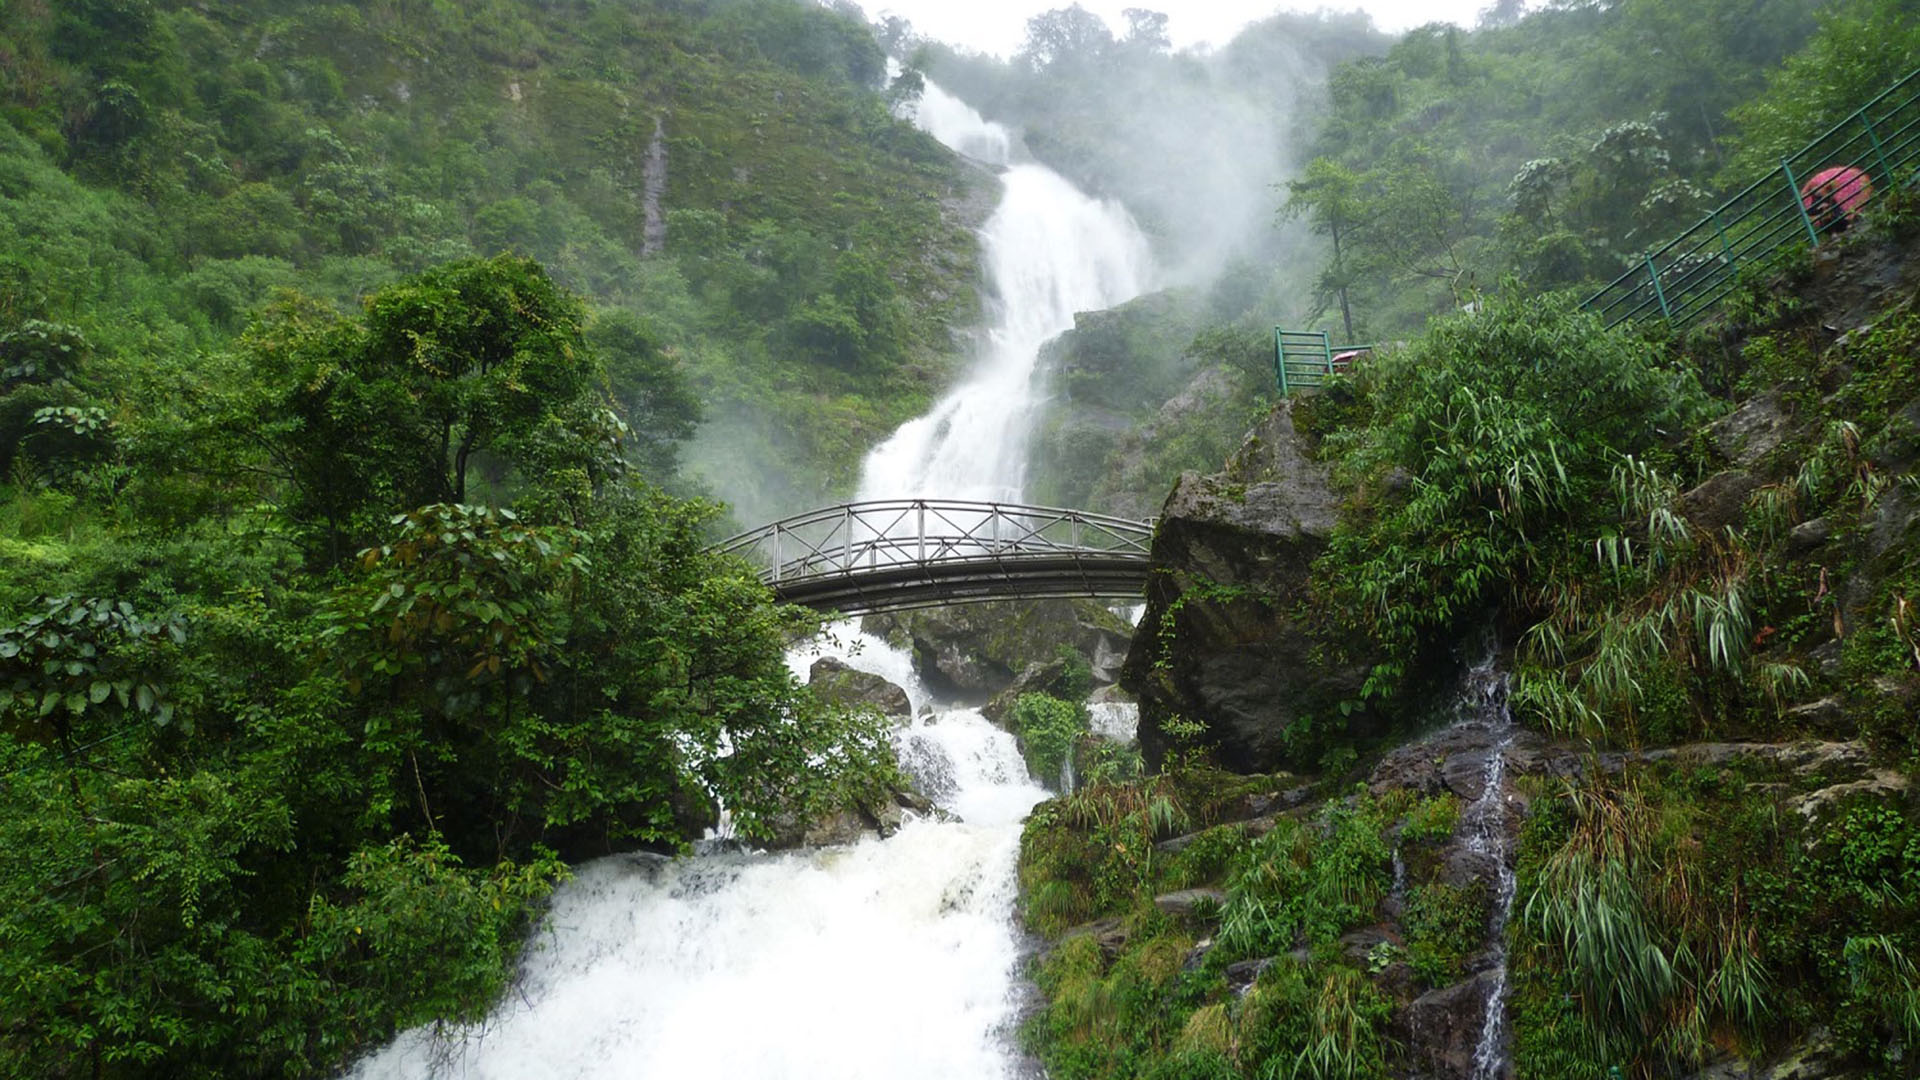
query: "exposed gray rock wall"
1221, 643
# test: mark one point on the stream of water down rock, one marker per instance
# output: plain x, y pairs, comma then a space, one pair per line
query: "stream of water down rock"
1488, 835
891, 958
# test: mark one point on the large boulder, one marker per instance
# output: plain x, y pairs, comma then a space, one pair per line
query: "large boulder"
971, 652
842, 685
1442, 1027
1221, 642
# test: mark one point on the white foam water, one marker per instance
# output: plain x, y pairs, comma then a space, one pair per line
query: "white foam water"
889, 958
1488, 834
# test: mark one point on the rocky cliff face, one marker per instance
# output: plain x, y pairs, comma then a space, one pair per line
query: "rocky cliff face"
1221, 643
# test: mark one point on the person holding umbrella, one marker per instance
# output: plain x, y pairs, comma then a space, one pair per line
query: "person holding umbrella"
1834, 196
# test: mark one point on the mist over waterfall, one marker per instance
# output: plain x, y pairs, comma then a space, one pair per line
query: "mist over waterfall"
894, 957
1049, 251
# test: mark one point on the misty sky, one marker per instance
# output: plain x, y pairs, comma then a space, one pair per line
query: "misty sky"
999, 26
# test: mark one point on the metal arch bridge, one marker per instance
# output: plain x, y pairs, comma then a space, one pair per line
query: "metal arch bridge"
900, 554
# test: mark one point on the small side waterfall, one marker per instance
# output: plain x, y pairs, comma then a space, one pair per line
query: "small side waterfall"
1488, 834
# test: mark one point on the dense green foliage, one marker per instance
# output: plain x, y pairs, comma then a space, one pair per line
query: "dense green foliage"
1560, 145
1687, 908
1483, 459
1656, 584
309, 679
342, 597
1048, 729
1165, 1006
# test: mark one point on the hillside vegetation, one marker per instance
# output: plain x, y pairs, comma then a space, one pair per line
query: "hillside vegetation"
168, 166
1694, 556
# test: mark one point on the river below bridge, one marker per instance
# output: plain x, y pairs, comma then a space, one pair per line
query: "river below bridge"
886, 959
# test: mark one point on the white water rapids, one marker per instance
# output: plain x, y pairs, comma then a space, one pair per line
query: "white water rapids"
891, 958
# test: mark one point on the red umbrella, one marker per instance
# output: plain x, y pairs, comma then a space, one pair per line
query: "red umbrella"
1842, 189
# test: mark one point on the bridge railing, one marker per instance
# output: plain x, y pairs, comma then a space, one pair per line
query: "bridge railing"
1691, 274
857, 537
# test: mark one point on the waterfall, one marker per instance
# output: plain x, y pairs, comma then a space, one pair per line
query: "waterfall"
1049, 251
1118, 721
889, 958
1488, 834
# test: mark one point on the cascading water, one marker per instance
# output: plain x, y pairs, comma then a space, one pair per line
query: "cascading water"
1050, 251
1488, 835
890, 958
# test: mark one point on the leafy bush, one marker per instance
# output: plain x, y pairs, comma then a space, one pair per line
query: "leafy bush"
1048, 729
1502, 428
1308, 883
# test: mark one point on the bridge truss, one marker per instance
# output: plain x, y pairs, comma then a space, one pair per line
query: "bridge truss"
900, 554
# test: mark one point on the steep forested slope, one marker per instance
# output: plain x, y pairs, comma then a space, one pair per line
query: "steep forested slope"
812, 271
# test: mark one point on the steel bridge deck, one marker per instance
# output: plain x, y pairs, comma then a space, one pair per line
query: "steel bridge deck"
899, 554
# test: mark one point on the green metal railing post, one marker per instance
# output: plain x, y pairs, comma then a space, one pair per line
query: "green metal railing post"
1793, 190
1659, 293
1726, 249
1879, 152
1326, 353
1280, 359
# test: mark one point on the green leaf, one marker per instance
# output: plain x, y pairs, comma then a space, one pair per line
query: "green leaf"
99, 691
144, 697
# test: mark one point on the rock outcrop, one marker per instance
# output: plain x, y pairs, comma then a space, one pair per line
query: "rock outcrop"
972, 652
1220, 643
842, 685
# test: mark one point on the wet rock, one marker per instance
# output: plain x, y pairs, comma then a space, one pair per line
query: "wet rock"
1109, 934
1809, 535
1233, 555
1197, 955
1360, 944
849, 824
1719, 501
971, 652
1815, 1059
1825, 716
1751, 432
1442, 1027
1826, 658
1242, 975
1454, 760
1882, 783
1898, 447
1186, 901
840, 827
842, 685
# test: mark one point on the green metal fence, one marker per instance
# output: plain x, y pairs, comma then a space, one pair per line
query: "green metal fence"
1689, 276
1306, 358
